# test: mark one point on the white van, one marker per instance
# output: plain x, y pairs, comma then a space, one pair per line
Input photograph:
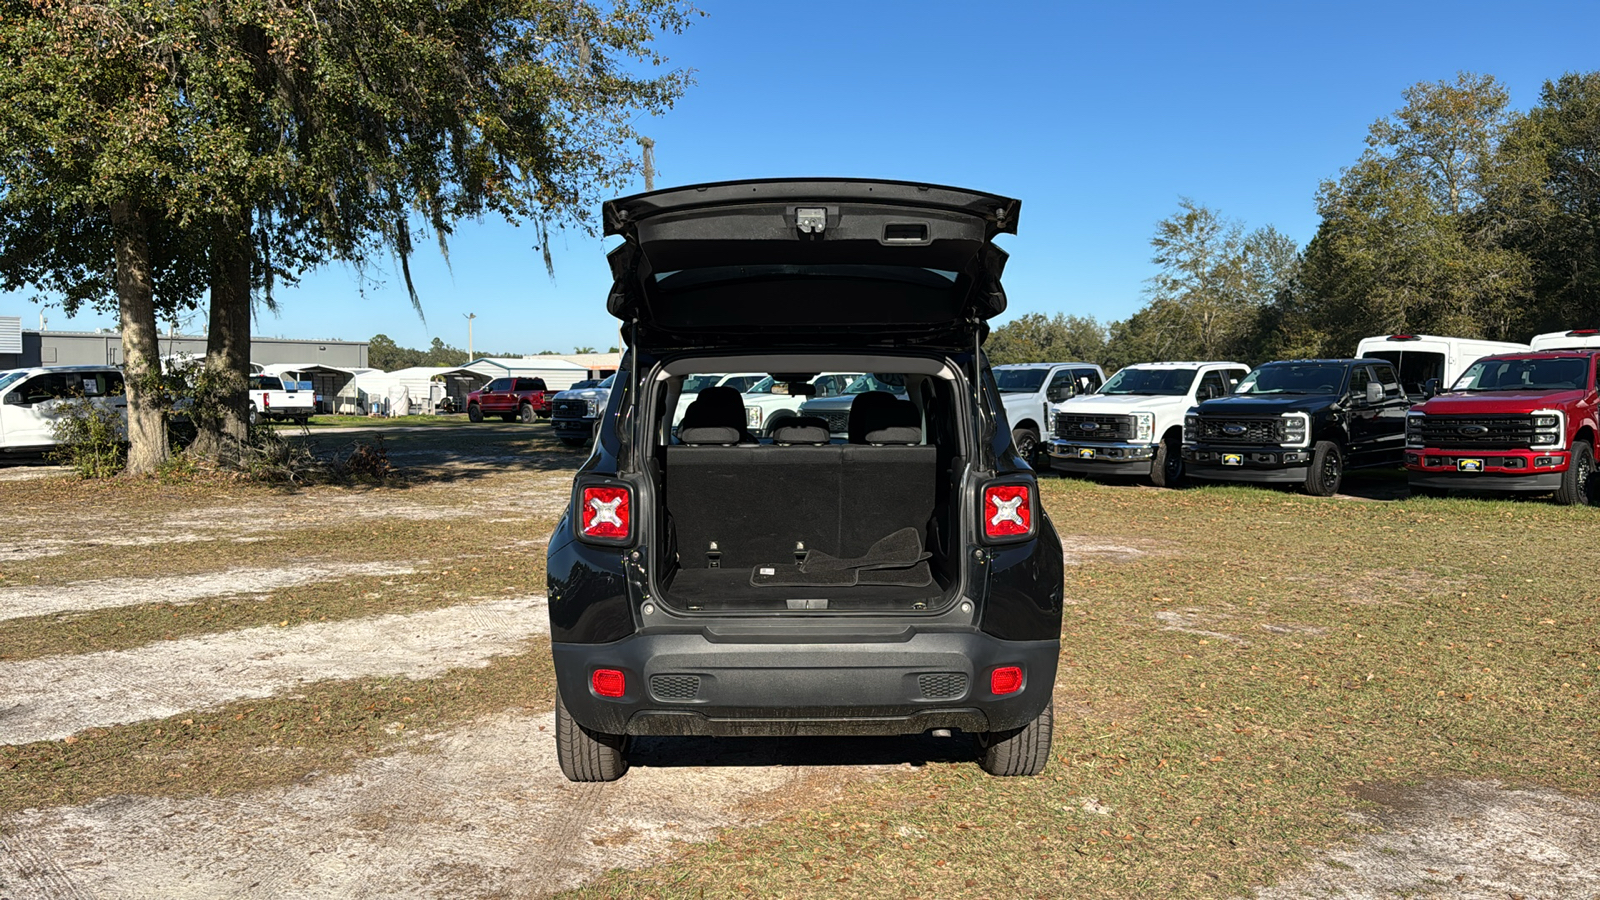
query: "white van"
1421, 358
30, 402
1576, 339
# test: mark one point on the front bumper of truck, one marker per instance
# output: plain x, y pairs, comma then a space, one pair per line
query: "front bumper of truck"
1265, 464
1487, 470
1101, 457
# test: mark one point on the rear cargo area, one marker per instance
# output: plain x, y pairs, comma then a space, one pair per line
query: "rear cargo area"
808, 521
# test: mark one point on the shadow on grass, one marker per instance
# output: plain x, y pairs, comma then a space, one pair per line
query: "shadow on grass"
913, 750
432, 455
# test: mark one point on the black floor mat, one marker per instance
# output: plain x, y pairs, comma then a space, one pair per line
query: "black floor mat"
894, 560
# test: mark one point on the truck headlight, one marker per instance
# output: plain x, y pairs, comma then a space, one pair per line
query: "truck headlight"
1144, 427
752, 417
1296, 429
1549, 430
1414, 430
591, 409
1191, 428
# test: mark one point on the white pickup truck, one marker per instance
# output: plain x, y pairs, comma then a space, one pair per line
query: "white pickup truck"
1027, 391
1134, 424
272, 397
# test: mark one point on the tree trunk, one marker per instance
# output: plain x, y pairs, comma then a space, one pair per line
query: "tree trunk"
141, 347
225, 425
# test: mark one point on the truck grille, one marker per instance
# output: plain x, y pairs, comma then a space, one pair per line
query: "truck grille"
569, 409
1477, 432
1237, 430
1076, 427
838, 422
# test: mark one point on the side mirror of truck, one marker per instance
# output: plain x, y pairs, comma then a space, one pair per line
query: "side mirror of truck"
1430, 388
13, 399
1060, 393
1374, 393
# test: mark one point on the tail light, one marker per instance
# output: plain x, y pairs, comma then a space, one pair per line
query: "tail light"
1008, 512
1005, 680
609, 682
605, 514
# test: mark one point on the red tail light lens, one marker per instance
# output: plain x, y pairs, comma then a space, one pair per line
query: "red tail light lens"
1005, 680
607, 513
609, 682
1008, 510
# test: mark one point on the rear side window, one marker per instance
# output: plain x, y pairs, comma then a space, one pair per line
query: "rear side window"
499, 384
525, 384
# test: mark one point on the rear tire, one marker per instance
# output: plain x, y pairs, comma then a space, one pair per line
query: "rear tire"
1021, 751
1327, 470
1577, 483
255, 416
587, 755
475, 413
526, 414
1166, 469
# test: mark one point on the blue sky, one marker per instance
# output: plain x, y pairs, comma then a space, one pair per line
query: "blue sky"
1098, 117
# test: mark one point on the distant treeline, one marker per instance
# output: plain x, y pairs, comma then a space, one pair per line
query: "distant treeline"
1462, 217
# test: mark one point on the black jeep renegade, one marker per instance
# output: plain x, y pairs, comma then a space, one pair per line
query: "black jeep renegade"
900, 579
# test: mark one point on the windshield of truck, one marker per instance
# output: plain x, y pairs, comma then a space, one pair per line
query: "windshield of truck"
1294, 378
893, 383
7, 379
1150, 382
1019, 381
607, 382
1415, 367
1525, 375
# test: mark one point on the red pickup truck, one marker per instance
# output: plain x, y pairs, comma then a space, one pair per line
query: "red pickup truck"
1513, 422
510, 399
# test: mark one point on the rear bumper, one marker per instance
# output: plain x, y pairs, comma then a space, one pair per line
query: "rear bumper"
1101, 458
691, 684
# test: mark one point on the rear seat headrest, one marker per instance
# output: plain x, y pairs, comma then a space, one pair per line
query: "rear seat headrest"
715, 417
800, 430
879, 417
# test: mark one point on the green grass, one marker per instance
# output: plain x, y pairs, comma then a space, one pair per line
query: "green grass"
1340, 643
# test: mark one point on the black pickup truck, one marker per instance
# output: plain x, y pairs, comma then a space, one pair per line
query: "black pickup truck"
1300, 422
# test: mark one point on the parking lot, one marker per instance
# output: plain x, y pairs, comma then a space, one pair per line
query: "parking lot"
218, 689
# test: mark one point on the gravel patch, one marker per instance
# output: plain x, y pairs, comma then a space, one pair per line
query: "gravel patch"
478, 812
82, 596
53, 697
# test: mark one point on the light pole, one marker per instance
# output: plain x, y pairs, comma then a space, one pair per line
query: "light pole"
469, 317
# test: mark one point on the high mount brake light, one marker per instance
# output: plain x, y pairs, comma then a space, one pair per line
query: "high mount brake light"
1005, 680
606, 513
1583, 332
609, 682
1402, 337
1007, 511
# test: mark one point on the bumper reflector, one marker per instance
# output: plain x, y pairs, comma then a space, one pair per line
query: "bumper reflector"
1005, 680
608, 682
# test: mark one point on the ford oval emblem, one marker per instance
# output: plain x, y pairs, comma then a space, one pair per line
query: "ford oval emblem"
1234, 428
1089, 426
1474, 429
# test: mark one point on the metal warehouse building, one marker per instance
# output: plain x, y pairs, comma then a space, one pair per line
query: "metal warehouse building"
79, 348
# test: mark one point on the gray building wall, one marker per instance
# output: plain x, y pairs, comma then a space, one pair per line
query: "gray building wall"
96, 348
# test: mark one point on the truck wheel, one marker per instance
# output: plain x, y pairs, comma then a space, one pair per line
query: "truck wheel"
525, 413
254, 417
1026, 441
587, 755
1166, 469
1577, 483
1021, 751
1327, 470
474, 413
